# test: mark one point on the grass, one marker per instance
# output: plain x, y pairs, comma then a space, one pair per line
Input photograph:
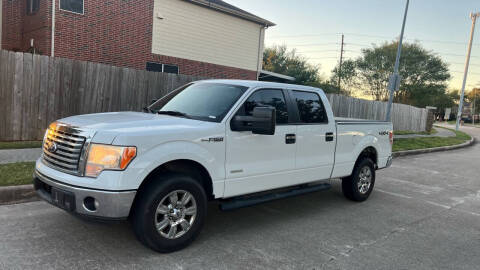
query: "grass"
409, 132
429, 142
14, 174
20, 144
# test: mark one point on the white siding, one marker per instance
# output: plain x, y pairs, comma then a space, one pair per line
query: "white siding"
198, 33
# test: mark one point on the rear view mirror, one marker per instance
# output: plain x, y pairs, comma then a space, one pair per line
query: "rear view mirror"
261, 122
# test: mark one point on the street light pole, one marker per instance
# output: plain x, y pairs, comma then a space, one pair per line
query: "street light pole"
394, 82
473, 16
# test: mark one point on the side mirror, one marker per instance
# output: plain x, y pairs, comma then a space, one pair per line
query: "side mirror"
262, 121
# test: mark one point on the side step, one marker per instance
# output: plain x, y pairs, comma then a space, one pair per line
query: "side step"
245, 201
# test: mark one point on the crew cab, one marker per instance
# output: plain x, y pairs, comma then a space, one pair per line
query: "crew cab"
238, 142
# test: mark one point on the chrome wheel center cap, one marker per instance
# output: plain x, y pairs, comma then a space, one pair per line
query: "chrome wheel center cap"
176, 213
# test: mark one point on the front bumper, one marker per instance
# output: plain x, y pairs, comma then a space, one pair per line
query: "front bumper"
94, 203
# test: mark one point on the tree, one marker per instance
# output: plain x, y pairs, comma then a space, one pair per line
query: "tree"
278, 59
348, 76
281, 60
424, 74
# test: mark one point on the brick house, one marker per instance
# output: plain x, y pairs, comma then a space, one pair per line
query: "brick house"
208, 38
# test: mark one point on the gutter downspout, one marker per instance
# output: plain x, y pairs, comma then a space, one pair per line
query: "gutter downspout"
262, 29
52, 52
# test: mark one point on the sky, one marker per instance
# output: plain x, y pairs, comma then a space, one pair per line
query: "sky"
314, 27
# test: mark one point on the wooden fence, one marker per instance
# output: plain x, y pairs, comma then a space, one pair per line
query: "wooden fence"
404, 117
36, 90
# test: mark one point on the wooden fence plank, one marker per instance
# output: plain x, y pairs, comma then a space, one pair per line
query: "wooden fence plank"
3, 91
26, 93
17, 96
51, 90
43, 97
66, 88
35, 98
77, 86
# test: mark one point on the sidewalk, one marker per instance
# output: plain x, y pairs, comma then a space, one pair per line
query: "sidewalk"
441, 132
19, 155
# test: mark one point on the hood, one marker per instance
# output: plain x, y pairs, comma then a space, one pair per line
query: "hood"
107, 126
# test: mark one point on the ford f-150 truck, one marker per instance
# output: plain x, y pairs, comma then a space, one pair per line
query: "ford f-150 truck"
238, 142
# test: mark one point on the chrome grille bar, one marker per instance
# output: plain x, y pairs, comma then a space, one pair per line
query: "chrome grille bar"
63, 148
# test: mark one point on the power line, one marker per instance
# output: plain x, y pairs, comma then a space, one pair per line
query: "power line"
458, 63
473, 73
317, 58
315, 44
340, 65
317, 51
374, 36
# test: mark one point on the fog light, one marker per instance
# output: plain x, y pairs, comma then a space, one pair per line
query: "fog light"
90, 204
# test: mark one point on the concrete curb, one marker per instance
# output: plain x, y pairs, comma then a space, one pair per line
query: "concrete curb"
17, 194
435, 149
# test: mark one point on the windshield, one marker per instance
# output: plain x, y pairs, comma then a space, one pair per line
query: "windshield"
201, 101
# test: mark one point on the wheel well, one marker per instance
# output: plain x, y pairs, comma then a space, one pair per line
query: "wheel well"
184, 166
370, 153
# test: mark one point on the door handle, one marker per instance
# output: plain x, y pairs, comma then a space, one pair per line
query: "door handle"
290, 138
329, 137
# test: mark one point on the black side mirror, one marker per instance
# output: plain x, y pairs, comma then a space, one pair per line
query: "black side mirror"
262, 121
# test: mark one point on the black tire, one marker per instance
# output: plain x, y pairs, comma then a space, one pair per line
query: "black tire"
144, 215
350, 186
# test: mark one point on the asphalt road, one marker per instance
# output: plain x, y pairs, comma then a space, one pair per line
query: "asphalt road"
423, 214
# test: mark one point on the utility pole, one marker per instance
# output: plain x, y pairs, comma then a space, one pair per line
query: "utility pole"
473, 16
340, 66
394, 82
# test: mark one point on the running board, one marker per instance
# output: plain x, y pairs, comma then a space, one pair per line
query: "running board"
240, 202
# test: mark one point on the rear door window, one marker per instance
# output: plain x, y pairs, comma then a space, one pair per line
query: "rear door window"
310, 107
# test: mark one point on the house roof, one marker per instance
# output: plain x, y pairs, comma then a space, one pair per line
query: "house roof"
225, 7
275, 77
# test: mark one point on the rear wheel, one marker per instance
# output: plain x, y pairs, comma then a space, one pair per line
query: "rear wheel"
170, 213
359, 185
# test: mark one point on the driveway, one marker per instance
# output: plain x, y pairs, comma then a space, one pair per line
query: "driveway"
423, 214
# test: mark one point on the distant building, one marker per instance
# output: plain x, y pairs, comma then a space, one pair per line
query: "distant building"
208, 38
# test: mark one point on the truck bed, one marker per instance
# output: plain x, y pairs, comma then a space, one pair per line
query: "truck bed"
353, 135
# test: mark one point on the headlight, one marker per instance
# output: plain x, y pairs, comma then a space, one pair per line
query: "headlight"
108, 157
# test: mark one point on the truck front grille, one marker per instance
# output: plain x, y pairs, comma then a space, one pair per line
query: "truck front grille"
62, 150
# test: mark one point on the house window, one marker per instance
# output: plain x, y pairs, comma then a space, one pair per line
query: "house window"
157, 67
32, 6
75, 6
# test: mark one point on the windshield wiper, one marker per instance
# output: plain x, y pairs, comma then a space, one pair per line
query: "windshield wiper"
148, 110
174, 113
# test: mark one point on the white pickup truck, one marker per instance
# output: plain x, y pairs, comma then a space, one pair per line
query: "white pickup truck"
239, 142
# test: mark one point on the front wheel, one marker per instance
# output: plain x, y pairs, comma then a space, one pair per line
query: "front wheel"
359, 185
170, 213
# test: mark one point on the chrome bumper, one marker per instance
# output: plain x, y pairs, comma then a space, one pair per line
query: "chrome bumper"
83, 201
